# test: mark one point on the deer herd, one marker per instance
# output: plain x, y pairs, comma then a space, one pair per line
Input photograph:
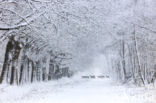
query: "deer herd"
94, 77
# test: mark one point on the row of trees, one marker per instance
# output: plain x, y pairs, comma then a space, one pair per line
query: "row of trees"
35, 49
21, 64
46, 39
134, 58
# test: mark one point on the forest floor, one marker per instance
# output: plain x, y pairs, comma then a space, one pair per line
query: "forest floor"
76, 90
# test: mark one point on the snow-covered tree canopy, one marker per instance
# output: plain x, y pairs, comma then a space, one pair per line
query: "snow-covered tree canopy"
75, 32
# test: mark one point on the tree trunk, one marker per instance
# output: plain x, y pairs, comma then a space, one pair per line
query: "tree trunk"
32, 71
137, 57
123, 60
21, 74
11, 57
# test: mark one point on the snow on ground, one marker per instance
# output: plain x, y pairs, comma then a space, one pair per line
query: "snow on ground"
76, 90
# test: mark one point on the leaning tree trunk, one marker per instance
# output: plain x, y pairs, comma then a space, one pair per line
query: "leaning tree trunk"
123, 61
137, 58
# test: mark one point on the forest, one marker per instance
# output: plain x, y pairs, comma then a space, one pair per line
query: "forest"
42, 40
58, 51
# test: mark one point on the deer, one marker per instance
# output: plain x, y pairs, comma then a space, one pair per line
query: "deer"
153, 78
85, 77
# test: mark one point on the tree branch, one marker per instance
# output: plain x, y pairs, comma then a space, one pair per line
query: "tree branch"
146, 28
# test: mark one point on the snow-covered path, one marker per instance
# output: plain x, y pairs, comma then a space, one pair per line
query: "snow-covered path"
76, 91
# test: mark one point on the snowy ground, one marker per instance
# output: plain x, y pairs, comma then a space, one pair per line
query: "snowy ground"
76, 90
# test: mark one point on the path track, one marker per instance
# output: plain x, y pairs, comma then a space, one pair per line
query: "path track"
76, 91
